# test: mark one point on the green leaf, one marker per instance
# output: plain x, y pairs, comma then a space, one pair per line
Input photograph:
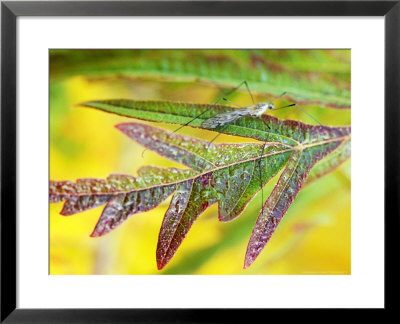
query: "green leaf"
314, 76
266, 128
331, 162
126, 195
230, 174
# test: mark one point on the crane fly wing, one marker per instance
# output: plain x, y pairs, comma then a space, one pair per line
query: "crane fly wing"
226, 118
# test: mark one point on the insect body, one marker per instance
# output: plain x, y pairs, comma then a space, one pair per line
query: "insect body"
231, 116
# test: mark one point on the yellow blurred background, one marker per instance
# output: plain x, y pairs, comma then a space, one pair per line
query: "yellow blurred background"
313, 237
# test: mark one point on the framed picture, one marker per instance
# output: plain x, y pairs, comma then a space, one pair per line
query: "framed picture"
179, 82
151, 149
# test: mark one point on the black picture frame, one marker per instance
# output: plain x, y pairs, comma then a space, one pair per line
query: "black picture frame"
11, 10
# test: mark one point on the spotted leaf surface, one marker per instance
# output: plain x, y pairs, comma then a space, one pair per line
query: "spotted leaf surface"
121, 206
331, 162
227, 174
284, 193
125, 195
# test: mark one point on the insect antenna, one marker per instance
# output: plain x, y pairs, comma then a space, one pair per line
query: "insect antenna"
302, 109
291, 95
231, 102
286, 93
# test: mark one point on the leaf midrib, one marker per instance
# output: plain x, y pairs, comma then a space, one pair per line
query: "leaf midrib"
302, 147
175, 182
286, 184
110, 107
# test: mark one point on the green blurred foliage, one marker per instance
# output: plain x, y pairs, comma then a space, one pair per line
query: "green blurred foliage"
314, 235
322, 76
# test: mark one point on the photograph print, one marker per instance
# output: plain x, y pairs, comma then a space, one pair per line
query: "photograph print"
200, 161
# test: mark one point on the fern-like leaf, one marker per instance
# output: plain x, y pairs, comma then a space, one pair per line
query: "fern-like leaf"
227, 174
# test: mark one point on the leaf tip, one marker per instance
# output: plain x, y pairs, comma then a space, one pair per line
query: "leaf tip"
162, 258
125, 128
119, 126
248, 261
96, 233
64, 213
67, 210
160, 265
80, 104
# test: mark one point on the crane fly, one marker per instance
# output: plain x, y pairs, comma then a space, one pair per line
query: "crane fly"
229, 117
